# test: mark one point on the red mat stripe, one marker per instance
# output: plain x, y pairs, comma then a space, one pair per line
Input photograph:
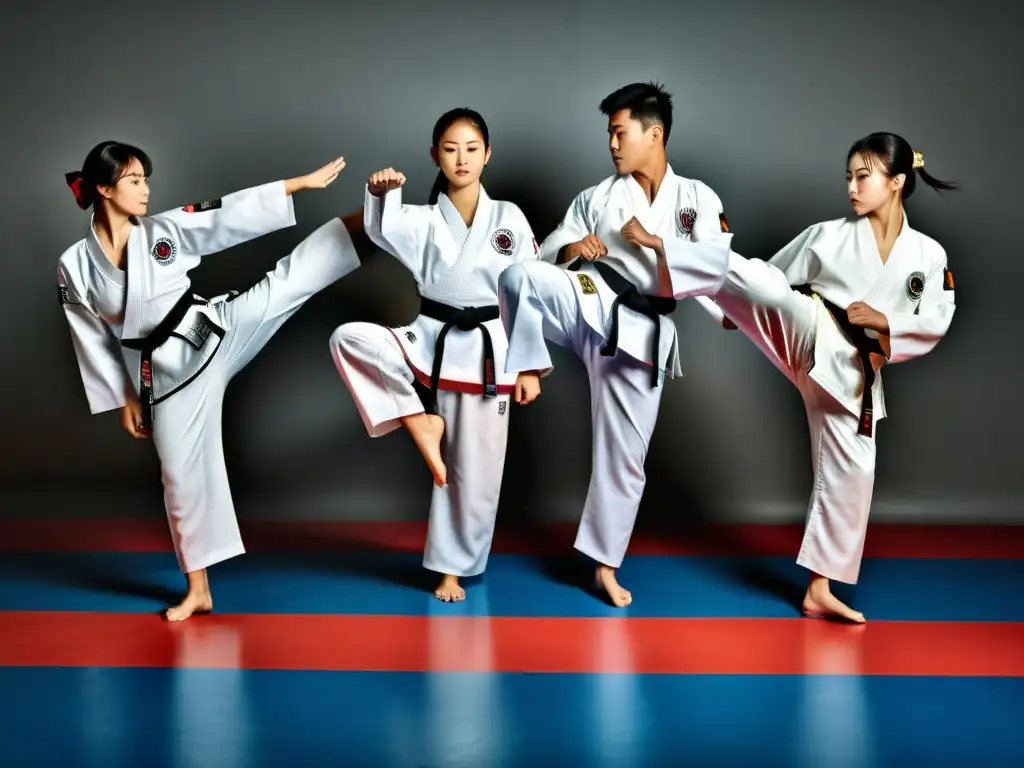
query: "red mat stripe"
151, 535
508, 644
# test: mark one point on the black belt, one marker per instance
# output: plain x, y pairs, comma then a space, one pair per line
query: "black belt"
865, 346
629, 296
465, 319
146, 345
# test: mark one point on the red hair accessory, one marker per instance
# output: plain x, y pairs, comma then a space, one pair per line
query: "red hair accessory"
75, 180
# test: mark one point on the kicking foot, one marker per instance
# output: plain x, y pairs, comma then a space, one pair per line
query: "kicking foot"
426, 431
820, 603
197, 599
449, 590
604, 579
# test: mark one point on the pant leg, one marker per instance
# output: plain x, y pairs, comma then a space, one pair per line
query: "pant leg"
538, 304
374, 369
197, 495
254, 316
844, 478
462, 514
780, 321
624, 409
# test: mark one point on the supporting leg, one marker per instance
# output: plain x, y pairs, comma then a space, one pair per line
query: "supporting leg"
462, 514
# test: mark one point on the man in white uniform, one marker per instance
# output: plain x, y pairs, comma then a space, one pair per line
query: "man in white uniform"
628, 247
147, 345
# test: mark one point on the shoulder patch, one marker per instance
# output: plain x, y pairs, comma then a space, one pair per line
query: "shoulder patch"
948, 283
206, 205
63, 294
723, 222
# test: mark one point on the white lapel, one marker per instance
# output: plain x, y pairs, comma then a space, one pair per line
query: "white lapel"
456, 226
479, 230
651, 215
664, 202
130, 277
896, 268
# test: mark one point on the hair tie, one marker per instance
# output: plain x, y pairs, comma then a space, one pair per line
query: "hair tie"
918, 159
75, 180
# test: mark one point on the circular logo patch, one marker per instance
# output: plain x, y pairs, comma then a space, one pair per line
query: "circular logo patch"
915, 285
687, 218
503, 241
163, 251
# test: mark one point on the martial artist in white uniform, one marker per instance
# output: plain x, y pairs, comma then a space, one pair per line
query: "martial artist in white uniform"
631, 257
869, 292
443, 375
141, 337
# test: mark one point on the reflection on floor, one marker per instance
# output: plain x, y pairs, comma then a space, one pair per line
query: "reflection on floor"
327, 648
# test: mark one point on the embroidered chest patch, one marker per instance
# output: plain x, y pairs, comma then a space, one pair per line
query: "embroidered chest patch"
687, 218
163, 250
411, 337
504, 242
915, 285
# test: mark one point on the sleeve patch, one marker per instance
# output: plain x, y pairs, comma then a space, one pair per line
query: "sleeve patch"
723, 222
947, 280
206, 205
63, 294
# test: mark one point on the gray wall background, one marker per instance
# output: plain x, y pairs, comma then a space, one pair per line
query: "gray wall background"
768, 98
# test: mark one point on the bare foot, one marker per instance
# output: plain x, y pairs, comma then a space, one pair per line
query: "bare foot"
197, 600
605, 579
449, 590
426, 431
820, 603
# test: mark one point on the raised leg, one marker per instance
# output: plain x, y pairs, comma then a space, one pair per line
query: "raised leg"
378, 376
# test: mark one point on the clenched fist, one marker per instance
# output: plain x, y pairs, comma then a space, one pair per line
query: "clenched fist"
383, 181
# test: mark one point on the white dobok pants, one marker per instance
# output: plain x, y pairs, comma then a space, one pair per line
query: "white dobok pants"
783, 324
463, 512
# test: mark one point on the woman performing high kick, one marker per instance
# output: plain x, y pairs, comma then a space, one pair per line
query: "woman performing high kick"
163, 356
873, 291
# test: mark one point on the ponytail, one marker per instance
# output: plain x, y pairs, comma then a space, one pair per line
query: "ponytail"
936, 184
440, 185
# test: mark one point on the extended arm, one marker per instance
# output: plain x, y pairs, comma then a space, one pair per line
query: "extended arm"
212, 226
215, 225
